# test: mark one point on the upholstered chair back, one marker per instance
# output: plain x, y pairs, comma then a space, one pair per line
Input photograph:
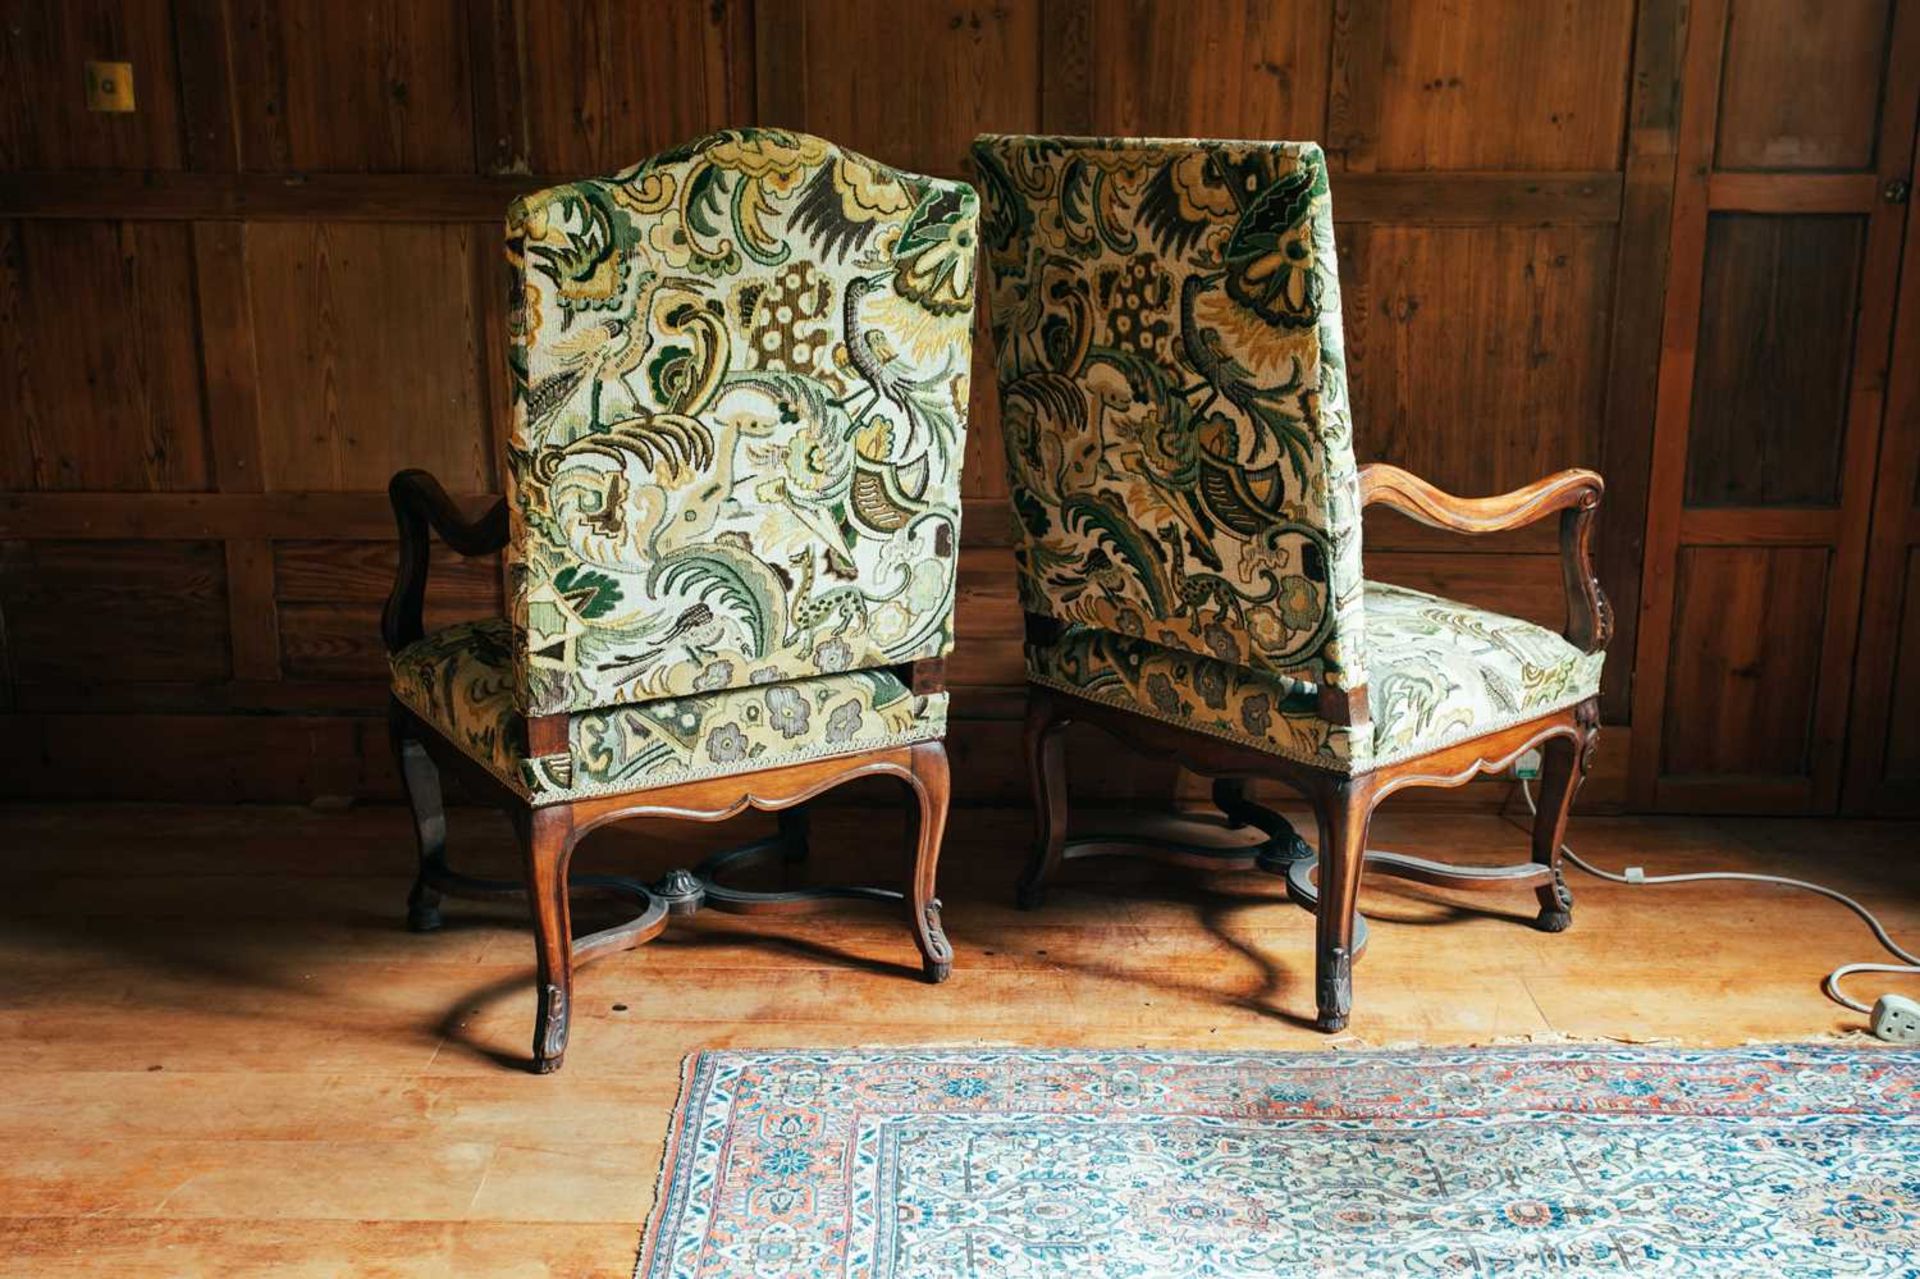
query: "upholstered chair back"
740, 388
1166, 316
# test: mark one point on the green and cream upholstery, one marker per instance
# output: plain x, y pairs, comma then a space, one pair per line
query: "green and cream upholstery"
740, 386
461, 678
1442, 672
1166, 316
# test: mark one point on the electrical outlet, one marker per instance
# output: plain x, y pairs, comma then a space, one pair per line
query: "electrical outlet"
1896, 1019
110, 86
1527, 767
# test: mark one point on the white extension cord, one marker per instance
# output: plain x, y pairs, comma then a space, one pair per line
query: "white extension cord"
1890, 1021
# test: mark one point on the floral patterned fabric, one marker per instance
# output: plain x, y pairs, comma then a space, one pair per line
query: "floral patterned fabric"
460, 679
739, 408
1787, 1162
1173, 395
1166, 316
1445, 671
1442, 672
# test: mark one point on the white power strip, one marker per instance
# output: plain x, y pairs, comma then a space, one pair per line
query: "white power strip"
1894, 1018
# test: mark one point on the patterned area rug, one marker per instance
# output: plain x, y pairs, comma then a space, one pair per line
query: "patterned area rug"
1792, 1161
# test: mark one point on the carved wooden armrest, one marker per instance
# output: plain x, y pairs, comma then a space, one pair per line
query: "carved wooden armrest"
419, 505
1575, 494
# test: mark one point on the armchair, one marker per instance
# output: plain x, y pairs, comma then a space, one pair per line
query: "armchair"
1166, 318
730, 529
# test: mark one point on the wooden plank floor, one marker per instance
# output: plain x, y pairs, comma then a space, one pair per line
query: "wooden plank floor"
226, 1056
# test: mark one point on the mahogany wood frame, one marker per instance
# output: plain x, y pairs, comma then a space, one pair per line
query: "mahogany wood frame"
1343, 804
549, 833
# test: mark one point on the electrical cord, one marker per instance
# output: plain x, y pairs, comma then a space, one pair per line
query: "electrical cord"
1635, 875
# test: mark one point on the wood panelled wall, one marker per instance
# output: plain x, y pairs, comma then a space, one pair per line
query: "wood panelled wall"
226, 318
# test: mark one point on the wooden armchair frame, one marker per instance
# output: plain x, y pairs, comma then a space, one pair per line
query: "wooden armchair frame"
1343, 804
549, 833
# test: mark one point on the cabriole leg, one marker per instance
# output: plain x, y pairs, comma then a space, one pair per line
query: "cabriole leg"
1564, 762
1047, 771
546, 836
933, 791
1343, 809
420, 776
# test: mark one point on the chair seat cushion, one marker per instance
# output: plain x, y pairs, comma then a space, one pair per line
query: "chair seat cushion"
460, 680
1440, 671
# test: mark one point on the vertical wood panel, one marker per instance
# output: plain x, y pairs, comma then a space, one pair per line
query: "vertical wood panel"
381, 86
1746, 668
1803, 84
908, 83
369, 355
106, 388
609, 83
1504, 84
252, 624
1208, 68
17, 407
1679, 333
1476, 354
1901, 766
1633, 360
1774, 357
1356, 83
44, 121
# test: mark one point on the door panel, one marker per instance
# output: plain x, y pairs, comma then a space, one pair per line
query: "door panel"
1803, 84
1776, 347
1776, 350
1742, 626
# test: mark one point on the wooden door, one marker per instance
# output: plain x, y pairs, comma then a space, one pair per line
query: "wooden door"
1883, 741
1796, 136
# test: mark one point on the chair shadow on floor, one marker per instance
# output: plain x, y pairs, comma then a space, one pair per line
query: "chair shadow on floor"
1217, 903
1216, 908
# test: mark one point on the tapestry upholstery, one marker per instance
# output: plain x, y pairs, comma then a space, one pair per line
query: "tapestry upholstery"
740, 381
1442, 672
460, 679
1173, 395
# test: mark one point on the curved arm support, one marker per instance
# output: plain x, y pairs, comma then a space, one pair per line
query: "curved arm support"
1575, 494
420, 505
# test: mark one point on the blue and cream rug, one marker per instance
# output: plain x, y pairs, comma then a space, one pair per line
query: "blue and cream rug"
971, 1164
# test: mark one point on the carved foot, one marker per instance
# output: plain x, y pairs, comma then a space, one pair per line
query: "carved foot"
550, 1031
1336, 990
1287, 850
1556, 905
1030, 896
936, 952
423, 908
